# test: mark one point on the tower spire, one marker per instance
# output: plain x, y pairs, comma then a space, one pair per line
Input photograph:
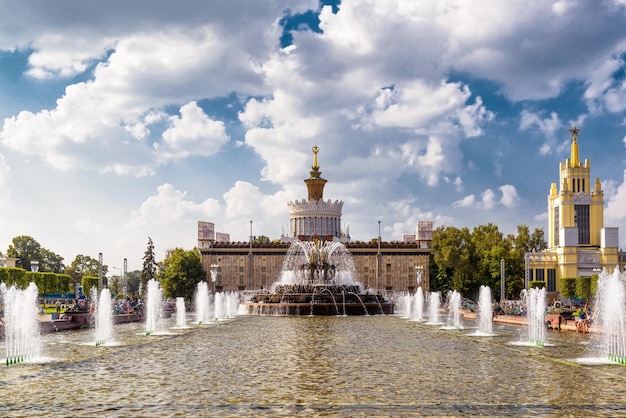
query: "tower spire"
573, 133
315, 183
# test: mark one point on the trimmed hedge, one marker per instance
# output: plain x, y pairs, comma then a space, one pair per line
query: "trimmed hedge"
46, 282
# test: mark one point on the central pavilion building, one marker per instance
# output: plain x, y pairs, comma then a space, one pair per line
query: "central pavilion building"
579, 245
398, 266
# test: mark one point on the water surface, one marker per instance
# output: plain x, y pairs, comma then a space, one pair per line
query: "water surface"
320, 366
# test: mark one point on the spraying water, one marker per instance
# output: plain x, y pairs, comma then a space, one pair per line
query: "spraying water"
203, 303
181, 313
21, 324
485, 312
418, 305
454, 310
434, 304
154, 303
611, 314
535, 300
104, 316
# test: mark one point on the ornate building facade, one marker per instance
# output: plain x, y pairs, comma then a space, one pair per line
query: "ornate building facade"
401, 266
579, 244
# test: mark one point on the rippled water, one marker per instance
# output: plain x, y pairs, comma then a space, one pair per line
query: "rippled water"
313, 366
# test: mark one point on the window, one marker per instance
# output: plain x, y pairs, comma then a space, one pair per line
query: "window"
539, 275
551, 285
556, 225
581, 220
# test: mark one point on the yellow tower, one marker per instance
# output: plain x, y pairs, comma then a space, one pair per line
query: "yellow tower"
578, 243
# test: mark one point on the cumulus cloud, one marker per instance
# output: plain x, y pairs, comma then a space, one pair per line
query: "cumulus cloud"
169, 206
488, 199
510, 197
615, 211
192, 133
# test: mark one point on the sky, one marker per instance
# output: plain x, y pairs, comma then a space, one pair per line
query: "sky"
124, 120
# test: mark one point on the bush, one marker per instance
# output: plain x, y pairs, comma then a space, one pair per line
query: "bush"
536, 284
583, 288
568, 287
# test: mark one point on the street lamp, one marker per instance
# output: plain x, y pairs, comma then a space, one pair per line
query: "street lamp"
214, 268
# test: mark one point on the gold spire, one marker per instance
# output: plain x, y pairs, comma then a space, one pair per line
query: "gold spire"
573, 133
315, 168
315, 183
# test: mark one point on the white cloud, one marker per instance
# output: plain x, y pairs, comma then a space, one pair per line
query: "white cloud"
510, 197
170, 206
466, 202
193, 133
615, 211
488, 199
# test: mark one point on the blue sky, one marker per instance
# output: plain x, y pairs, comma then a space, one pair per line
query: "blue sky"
122, 120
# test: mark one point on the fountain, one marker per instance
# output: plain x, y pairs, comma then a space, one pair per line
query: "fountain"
103, 313
181, 313
433, 308
454, 310
226, 305
610, 313
203, 303
485, 312
21, 325
154, 304
535, 302
315, 275
418, 310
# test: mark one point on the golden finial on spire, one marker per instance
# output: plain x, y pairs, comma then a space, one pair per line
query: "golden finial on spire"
574, 147
315, 149
573, 133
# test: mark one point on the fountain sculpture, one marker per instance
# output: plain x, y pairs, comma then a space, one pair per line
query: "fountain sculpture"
318, 278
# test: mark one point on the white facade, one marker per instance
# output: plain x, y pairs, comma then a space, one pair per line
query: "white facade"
317, 217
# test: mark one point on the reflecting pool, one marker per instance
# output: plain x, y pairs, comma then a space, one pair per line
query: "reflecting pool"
313, 366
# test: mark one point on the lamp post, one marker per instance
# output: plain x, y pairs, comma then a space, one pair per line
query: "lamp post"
99, 272
214, 268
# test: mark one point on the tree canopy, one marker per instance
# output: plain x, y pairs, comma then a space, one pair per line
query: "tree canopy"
464, 260
180, 273
149, 269
27, 250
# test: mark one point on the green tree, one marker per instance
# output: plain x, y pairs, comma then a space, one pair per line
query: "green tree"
455, 257
149, 265
133, 279
181, 271
262, 239
50, 261
84, 265
26, 248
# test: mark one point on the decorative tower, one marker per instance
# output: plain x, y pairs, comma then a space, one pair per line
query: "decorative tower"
314, 218
578, 243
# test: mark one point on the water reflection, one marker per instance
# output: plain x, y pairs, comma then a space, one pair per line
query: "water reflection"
335, 366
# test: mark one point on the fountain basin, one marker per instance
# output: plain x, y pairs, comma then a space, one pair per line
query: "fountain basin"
318, 299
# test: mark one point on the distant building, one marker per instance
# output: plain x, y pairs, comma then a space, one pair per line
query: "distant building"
380, 265
579, 244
